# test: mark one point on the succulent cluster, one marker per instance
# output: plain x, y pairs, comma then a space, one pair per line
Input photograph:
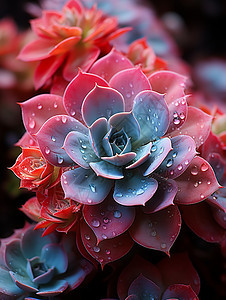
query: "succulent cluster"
117, 156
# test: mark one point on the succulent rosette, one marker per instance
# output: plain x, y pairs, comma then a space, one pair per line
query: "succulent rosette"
140, 279
71, 38
124, 140
40, 266
34, 171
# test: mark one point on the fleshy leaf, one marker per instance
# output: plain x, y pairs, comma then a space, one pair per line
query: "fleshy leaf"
158, 230
77, 90
179, 263
55, 256
53, 288
179, 158
128, 123
218, 199
108, 219
164, 196
152, 114
159, 151
7, 284
142, 154
144, 288
199, 218
168, 82
110, 64
107, 250
196, 183
79, 59
77, 146
24, 282
179, 291
84, 186
46, 68
137, 266
106, 170
97, 132
129, 83
120, 160
134, 189
14, 257
39, 109
38, 242
178, 113
101, 102
51, 138
197, 126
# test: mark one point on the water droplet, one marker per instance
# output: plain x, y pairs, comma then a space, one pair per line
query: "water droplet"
83, 146
204, 167
108, 252
47, 150
163, 245
96, 249
179, 167
53, 138
87, 237
156, 128
89, 201
208, 182
84, 157
171, 172
153, 148
55, 105
175, 115
72, 112
194, 170
117, 214
60, 159
104, 236
154, 233
182, 116
176, 103
118, 195
189, 148
95, 223
106, 220
93, 188
148, 118
202, 196
176, 121
64, 119
82, 151
186, 162
32, 124
39, 106
128, 95
140, 192
161, 150
169, 163
196, 184
174, 154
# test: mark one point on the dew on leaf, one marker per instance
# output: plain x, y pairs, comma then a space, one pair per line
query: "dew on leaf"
87, 237
39, 106
64, 119
106, 220
140, 192
154, 233
60, 159
55, 105
163, 245
174, 154
180, 167
108, 252
186, 162
32, 124
153, 148
96, 249
95, 223
104, 236
47, 150
117, 214
169, 163
118, 195
194, 170
92, 188
204, 167
53, 138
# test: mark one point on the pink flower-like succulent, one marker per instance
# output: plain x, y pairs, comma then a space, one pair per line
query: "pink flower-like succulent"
69, 39
129, 134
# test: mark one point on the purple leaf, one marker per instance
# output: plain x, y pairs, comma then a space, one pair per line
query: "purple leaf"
108, 219
196, 183
14, 257
129, 83
54, 288
84, 186
106, 251
179, 291
106, 170
78, 148
158, 230
197, 126
7, 284
164, 196
110, 64
179, 158
152, 114
142, 154
120, 159
39, 109
134, 189
144, 289
128, 123
101, 102
77, 90
52, 135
